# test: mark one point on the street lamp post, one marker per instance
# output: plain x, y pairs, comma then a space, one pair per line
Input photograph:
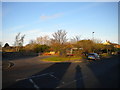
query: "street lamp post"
93, 35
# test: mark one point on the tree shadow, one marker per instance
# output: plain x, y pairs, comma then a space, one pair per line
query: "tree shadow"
79, 77
48, 78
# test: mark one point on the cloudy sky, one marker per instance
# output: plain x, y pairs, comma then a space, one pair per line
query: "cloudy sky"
36, 19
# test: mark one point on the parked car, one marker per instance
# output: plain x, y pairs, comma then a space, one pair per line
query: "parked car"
93, 56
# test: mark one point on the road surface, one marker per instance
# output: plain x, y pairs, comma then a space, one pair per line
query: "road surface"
33, 73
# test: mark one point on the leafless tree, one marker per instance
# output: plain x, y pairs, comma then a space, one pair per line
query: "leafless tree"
32, 42
43, 40
58, 42
19, 40
75, 39
60, 36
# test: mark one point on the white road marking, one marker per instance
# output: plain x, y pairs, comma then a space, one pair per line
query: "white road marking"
54, 76
35, 86
21, 79
41, 75
35, 76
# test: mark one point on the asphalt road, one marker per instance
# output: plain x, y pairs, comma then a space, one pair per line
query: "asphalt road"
33, 73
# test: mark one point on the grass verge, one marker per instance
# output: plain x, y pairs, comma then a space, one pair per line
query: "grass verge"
61, 59
105, 55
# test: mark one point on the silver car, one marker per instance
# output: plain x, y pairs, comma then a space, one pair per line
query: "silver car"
93, 56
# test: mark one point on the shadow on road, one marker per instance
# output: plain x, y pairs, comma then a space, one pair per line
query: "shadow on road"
106, 72
79, 77
48, 78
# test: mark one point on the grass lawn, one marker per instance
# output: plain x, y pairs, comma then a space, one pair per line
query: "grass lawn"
61, 59
105, 55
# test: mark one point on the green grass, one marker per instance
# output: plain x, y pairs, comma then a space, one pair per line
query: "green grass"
105, 55
61, 58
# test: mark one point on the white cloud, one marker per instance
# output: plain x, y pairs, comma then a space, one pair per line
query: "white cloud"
35, 32
16, 28
45, 17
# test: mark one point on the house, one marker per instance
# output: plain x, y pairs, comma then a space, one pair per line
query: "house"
107, 43
114, 44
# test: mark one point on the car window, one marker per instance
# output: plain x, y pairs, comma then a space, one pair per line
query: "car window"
96, 54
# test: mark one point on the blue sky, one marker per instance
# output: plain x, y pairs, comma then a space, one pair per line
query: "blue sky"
36, 19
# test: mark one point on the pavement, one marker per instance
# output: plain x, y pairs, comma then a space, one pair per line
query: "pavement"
33, 73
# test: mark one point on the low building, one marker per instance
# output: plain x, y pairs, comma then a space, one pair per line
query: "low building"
114, 44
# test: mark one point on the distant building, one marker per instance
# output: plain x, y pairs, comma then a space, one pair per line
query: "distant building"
107, 43
114, 44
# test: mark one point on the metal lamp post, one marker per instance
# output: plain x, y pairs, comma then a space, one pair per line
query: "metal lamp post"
93, 35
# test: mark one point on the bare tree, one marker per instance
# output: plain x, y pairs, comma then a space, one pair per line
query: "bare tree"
60, 36
43, 40
75, 39
19, 40
59, 41
32, 42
